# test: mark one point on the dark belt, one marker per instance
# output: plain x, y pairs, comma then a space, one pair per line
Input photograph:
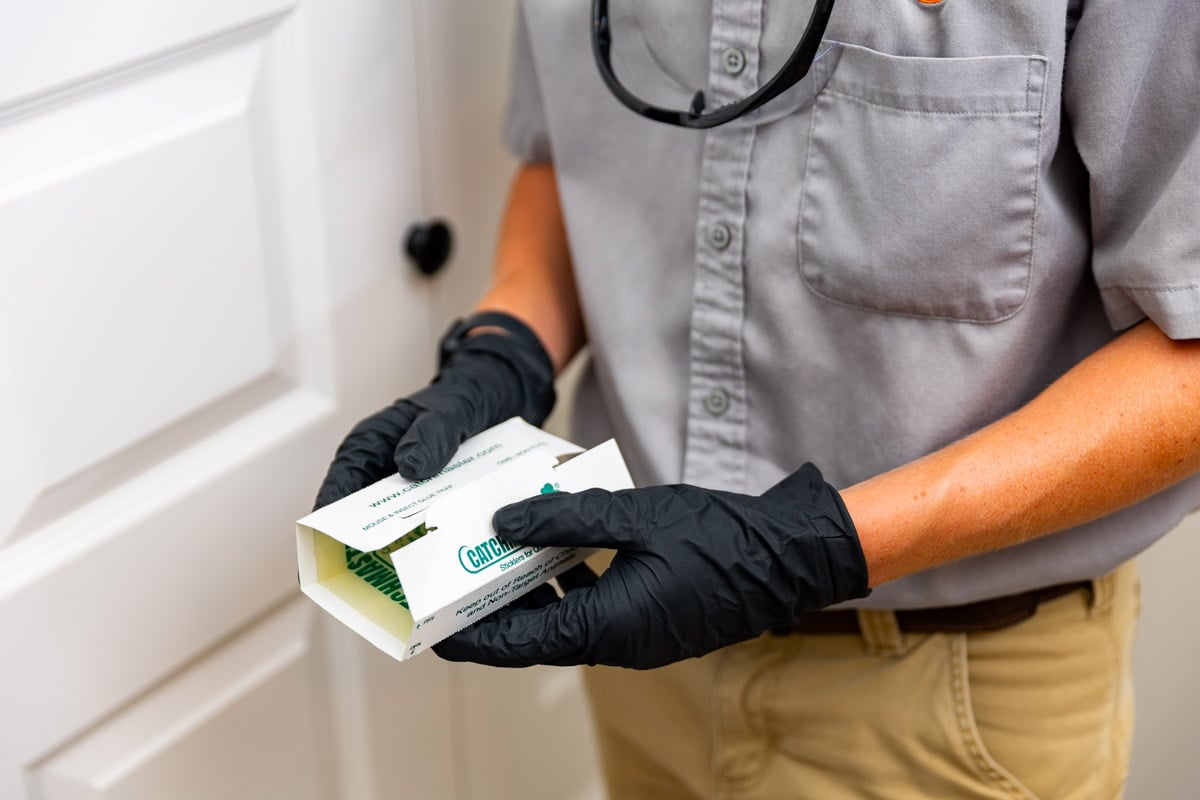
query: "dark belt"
984, 615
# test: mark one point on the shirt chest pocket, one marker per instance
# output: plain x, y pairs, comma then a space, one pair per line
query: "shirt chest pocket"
920, 183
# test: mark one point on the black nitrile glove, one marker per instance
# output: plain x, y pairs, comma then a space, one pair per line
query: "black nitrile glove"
695, 570
483, 380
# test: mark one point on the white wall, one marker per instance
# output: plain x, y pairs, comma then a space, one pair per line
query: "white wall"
1166, 760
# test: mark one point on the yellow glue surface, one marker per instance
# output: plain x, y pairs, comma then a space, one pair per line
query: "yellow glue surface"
367, 581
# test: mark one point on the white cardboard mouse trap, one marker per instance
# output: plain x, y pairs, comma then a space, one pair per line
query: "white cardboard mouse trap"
405, 564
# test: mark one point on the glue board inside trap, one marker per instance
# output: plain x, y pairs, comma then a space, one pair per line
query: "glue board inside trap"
407, 563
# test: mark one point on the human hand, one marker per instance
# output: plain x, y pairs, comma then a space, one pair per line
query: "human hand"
695, 570
484, 379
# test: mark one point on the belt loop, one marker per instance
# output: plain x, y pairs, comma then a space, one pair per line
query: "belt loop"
880, 632
1103, 589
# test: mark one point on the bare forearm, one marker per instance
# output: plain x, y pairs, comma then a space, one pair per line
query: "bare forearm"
1120, 426
533, 279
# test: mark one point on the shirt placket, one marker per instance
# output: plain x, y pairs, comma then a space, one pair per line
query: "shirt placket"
715, 453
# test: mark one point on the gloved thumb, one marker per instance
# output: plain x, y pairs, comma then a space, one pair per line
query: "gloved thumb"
594, 518
429, 444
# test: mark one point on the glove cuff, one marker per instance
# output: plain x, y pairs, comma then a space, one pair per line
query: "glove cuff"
826, 559
847, 562
456, 335
518, 348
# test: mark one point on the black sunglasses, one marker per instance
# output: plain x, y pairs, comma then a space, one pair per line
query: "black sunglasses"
793, 71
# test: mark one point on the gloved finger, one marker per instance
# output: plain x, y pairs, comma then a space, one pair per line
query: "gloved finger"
429, 443
536, 598
365, 455
332, 490
594, 518
554, 634
579, 576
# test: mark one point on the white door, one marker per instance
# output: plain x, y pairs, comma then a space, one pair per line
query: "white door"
200, 290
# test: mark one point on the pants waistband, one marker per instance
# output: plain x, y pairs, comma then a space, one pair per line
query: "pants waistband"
984, 615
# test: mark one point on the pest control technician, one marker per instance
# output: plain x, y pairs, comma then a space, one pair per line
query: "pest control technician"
948, 253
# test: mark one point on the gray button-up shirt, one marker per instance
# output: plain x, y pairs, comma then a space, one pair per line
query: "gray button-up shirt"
961, 201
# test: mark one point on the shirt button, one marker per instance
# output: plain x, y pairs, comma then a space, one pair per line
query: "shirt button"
719, 236
733, 61
716, 402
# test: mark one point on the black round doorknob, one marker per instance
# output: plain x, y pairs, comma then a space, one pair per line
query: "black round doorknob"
428, 244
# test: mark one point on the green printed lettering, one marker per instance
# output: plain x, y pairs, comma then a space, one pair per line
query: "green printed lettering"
368, 570
376, 570
382, 577
355, 558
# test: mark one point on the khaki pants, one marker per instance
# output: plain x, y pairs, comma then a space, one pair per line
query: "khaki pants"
1042, 709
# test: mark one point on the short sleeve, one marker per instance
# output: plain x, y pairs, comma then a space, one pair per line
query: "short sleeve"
1131, 88
525, 132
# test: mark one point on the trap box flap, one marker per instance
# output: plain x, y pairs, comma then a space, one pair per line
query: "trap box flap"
432, 564
378, 515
